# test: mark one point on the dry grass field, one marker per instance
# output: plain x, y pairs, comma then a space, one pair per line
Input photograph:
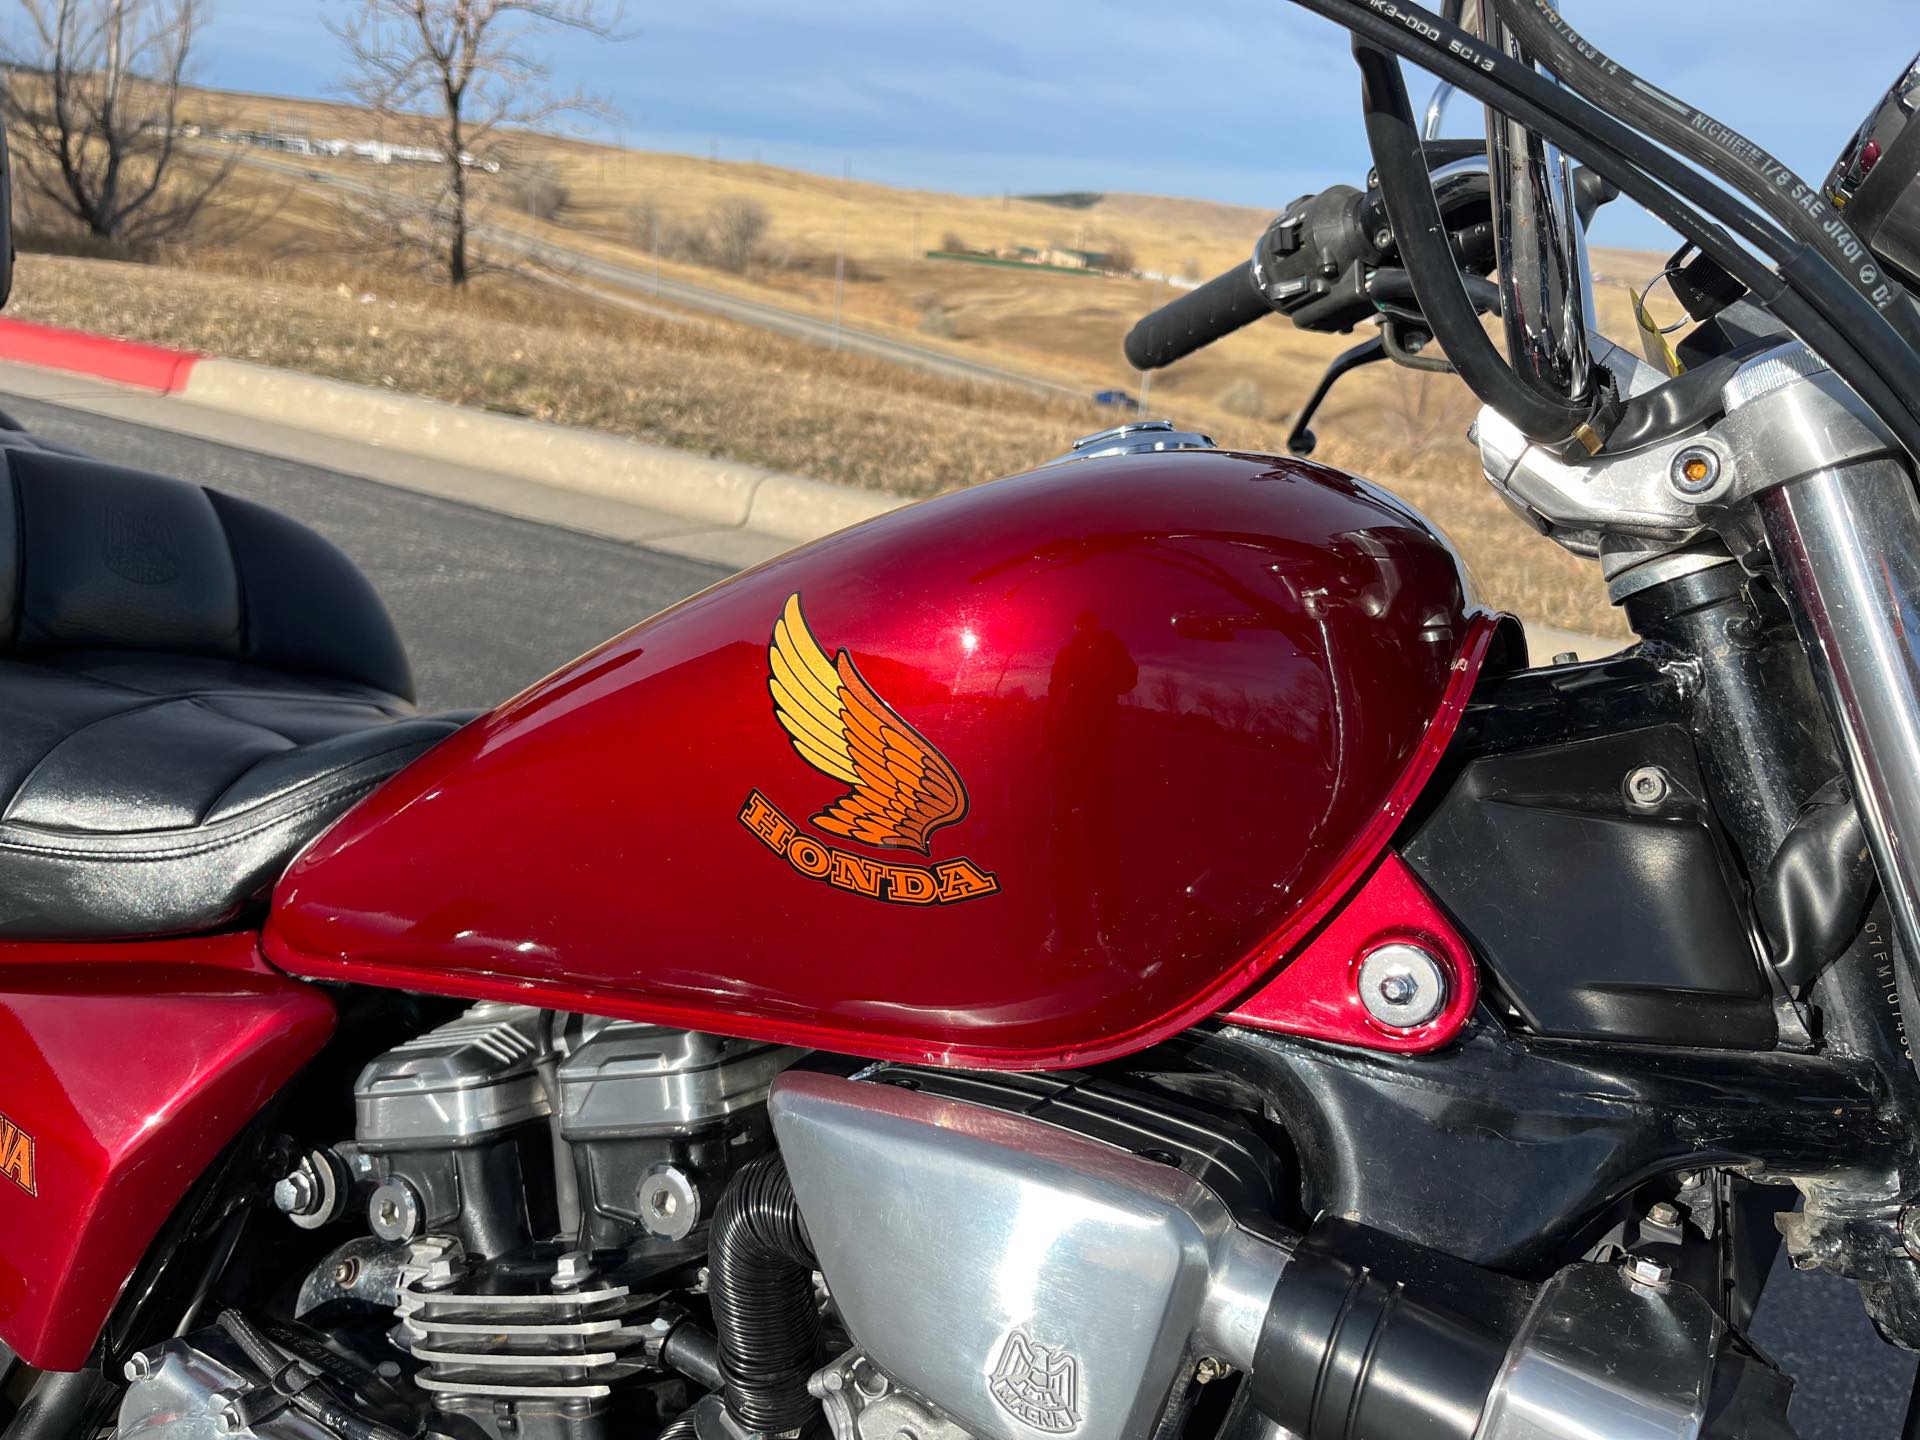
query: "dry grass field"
282, 285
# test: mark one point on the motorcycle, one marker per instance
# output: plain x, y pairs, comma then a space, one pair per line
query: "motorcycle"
1132, 951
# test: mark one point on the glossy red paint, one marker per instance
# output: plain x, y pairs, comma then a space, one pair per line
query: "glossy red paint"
131, 1066
1316, 993
1186, 695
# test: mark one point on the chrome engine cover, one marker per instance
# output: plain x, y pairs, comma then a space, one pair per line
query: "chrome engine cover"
184, 1390
1026, 1280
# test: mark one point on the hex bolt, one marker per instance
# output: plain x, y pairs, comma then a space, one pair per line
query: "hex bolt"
1663, 1213
295, 1194
1645, 1270
226, 1413
1399, 989
1696, 472
345, 1273
393, 1211
1647, 787
139, 1366
574, 1269
669, 1202
1208, 1370
1402, 985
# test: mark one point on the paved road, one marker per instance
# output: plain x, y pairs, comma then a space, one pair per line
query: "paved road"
489, 603
590, 272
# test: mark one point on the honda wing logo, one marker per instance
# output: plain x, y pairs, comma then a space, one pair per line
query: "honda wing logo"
1037, 1386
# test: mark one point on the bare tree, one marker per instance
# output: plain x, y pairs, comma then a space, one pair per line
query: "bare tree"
459, 74
736, 227
93, 102
538, 190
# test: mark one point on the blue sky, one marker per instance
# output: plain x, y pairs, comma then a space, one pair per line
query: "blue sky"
1251, 101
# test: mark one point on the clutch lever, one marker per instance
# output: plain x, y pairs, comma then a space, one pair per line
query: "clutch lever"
1368, 352
1400, 339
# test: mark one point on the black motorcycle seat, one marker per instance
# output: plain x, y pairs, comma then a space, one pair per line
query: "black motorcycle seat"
192, 686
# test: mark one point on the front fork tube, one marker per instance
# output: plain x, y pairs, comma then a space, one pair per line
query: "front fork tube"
1845, 543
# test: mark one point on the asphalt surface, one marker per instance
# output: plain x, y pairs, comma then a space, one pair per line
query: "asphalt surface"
588, 271
489, 603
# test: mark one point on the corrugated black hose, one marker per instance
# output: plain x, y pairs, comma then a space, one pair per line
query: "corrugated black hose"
760, 1284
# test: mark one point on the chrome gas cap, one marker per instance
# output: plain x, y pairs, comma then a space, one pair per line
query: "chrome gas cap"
1136, 437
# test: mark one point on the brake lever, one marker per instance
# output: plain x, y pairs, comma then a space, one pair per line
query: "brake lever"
1369, 352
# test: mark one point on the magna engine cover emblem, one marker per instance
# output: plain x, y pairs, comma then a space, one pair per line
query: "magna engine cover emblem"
901, 788
1037, 1386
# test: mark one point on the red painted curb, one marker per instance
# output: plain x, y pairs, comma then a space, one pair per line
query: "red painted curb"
126, 362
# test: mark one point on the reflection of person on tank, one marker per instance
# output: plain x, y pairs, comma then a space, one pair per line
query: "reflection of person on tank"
1090, 674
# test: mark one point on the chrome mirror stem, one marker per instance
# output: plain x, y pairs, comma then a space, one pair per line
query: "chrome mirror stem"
1542, 256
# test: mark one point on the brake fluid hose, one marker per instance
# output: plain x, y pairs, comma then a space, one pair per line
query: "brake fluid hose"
760, 1283
1799, 208
1400, 163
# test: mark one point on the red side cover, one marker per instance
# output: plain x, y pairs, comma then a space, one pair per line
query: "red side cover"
127, 1069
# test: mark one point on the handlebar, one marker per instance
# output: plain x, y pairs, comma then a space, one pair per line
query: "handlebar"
1226, 303
1438, 218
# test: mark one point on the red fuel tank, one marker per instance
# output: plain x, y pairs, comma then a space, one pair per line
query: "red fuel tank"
1030, 775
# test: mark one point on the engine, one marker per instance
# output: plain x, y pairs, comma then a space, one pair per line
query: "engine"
549, 1227
531, 1191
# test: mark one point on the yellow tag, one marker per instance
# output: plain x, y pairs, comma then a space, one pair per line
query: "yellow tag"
1652, 343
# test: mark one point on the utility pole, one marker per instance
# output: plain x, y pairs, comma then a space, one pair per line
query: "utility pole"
1146, 376
840, 259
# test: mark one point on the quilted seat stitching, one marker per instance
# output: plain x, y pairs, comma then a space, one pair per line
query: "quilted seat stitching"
281, 814
363, 760
27, 780
280, 805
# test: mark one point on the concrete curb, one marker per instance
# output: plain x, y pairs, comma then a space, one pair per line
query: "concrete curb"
125, 362
714, 492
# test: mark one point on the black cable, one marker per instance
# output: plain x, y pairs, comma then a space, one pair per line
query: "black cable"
292, 1381
1856, 342
1799, 208
1429, 260
1862, 348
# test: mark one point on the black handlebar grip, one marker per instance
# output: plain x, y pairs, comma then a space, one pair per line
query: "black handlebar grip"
1223, 305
